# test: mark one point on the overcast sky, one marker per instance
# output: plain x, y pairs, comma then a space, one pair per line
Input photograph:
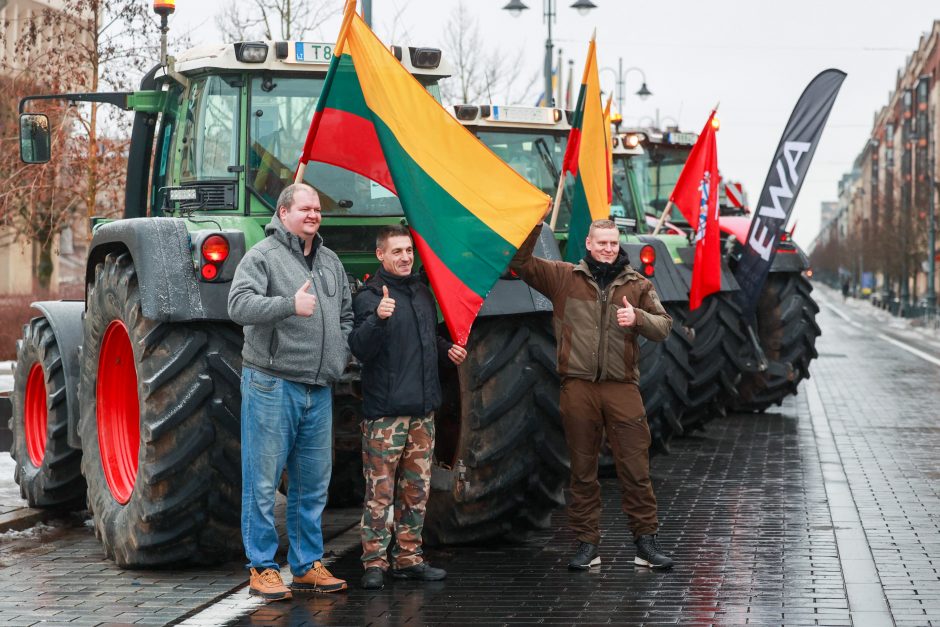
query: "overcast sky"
755, 57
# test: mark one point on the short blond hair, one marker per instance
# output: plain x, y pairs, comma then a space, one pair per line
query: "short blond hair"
601, 224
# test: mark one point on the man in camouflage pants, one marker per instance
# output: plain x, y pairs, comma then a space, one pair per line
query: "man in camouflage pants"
395, 337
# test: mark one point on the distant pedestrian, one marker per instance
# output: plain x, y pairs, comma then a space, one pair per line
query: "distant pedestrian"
845, 289
601, 308
396, 339
291, 296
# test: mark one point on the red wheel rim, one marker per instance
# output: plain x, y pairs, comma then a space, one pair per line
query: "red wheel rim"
36, 415
118, 411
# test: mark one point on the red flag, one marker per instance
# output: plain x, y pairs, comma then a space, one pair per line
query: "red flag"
696, 196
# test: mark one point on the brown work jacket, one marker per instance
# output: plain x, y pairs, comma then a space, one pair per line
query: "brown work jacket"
591, 345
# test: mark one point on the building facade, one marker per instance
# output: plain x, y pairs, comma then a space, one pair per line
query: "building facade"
885, 203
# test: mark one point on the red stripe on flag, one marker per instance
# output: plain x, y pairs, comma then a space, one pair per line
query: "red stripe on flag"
458, 302
349, 141
572, 152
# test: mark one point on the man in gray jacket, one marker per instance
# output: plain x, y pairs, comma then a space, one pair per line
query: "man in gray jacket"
291, 296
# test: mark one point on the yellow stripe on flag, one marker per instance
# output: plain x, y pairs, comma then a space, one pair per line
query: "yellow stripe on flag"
463, 166
610, 146
593, 159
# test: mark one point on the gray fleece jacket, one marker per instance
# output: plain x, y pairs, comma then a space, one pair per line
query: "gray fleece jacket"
278, 342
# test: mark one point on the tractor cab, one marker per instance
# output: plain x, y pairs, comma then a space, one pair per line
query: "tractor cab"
234, 133
532, 140
222, 128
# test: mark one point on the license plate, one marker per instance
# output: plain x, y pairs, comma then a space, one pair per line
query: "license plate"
307, 52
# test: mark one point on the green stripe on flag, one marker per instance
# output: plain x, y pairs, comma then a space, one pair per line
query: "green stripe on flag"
580, 222
475, 253
345, 92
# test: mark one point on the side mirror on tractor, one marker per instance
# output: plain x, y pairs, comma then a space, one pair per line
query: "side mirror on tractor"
34, 138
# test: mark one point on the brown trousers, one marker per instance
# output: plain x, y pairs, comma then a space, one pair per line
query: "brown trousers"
589, 409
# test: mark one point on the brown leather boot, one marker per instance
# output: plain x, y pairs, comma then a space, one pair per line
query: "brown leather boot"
317, 579
269, 585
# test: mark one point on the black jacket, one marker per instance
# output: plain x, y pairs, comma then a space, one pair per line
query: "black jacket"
400, 354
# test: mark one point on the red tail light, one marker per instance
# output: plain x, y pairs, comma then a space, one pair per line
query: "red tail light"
209, 272
214, 249
648, 270
648, 255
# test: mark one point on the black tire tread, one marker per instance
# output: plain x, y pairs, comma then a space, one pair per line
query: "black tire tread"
511, 438
186, 500
787, 330
57, 483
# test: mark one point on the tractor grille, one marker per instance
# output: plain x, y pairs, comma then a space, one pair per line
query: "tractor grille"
211, 196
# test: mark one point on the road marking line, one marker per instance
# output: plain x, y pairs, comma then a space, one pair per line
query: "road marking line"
910, 349
239, 603
886, 338
842, 315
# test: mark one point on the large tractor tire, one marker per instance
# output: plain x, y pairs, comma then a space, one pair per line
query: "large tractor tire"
500, 422
347, 484
787, 330
664, 380
48, 470
159, 427
716, 357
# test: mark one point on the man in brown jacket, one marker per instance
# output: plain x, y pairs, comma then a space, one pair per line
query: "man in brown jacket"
601, 307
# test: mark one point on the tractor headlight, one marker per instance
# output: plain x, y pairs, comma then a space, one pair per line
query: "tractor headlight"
251, 51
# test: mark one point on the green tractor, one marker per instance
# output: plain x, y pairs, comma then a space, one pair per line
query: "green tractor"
532, 140
735, 367
128, 402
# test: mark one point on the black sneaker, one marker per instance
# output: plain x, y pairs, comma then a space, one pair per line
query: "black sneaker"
421, 572
649, 553
373, 579
585, 557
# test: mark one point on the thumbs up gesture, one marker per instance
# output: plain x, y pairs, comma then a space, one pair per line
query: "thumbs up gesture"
386, 306
626, 316
305, 303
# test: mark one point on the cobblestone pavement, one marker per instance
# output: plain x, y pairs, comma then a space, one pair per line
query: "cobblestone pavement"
56, 574
824, 512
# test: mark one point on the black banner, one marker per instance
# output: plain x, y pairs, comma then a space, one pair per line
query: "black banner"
787, 171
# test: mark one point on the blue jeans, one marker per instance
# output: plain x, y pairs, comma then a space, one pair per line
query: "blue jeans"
284, 424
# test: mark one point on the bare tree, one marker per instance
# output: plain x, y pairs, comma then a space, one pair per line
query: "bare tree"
483, 73
274, 19
78, 46
394, 30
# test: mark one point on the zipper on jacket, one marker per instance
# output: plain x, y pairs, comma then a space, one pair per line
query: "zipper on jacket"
313, 280
602, 335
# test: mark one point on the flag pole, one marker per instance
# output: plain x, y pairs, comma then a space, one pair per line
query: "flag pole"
349, 11
662, 218
558, 194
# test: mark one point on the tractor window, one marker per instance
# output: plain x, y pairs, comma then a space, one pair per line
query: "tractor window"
281, 109
666, 163
164, 155
210, 132
622, 205
537, 157
631, 187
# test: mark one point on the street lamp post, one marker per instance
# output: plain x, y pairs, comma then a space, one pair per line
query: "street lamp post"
516, 7
643, 92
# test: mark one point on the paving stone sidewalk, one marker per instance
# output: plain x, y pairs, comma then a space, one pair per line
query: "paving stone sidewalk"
56, 574
795, 517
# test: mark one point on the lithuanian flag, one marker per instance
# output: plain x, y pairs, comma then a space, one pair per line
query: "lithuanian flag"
588, 160
609, 144
468, 211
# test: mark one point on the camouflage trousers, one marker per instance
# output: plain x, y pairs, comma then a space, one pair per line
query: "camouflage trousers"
396, 463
